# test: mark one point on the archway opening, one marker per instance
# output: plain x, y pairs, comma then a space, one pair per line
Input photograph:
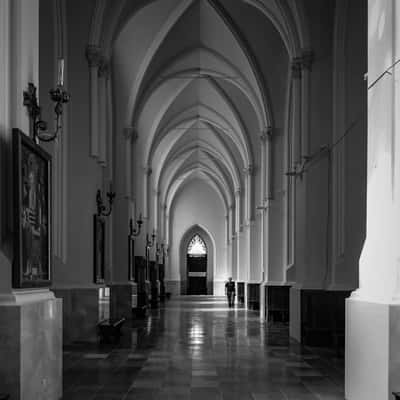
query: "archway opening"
196, 259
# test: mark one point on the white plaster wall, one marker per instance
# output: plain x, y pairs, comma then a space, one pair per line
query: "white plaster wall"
19, 65
198, 203
84, 175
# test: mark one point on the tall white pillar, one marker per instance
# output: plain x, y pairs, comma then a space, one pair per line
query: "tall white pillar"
156, 194
238, 230
249, 192
231, 266
373, 311
147, 171
237, 210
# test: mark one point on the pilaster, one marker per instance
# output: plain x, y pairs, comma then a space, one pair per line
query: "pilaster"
94, 58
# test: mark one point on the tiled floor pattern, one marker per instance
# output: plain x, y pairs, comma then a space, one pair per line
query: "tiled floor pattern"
197, 348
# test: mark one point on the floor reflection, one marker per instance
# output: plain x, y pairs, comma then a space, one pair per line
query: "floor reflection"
198, 348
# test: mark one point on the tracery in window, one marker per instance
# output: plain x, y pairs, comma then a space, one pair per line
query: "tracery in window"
197, 247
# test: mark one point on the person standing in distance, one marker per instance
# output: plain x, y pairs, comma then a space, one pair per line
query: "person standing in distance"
230, 291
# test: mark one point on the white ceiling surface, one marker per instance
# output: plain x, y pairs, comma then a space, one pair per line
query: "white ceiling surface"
196, 91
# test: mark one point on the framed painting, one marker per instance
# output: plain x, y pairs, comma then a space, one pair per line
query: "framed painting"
32, 213
99, 236
131, 259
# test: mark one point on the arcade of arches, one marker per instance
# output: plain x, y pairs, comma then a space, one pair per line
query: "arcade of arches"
239, 125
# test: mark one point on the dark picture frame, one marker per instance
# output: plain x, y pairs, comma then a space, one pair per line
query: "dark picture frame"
131, 259
99, 236
32, 263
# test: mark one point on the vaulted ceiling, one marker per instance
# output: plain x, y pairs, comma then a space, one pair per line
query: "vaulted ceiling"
199, 80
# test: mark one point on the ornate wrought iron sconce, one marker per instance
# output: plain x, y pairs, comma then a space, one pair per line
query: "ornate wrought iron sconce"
134, 232
150, 243
58, 95
101, 208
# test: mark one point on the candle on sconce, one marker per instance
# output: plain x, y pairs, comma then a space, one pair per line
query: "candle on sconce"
60, 80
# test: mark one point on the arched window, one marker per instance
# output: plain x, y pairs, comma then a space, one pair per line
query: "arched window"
197, 247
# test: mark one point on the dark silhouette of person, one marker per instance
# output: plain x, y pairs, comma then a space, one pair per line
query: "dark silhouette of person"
230, 292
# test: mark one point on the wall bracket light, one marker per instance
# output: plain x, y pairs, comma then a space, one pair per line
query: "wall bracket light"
58, 95
101, 208
150, 243
134, 232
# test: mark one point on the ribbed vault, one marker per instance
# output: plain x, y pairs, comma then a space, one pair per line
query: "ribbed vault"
196, 84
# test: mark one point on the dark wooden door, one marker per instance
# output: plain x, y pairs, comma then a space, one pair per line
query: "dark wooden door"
197, 275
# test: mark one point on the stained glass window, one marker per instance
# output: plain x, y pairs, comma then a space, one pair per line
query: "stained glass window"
197, 247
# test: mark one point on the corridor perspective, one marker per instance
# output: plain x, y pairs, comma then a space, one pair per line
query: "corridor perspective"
199, 349
158, 157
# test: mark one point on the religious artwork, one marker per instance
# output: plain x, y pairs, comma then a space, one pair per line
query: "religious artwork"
99, 248
32, 213
131, 259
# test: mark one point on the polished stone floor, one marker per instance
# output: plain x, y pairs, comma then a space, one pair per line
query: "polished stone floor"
198, 348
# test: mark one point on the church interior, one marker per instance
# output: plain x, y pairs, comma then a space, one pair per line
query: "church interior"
152, 149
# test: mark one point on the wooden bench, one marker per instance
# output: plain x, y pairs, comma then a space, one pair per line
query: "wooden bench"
110, 329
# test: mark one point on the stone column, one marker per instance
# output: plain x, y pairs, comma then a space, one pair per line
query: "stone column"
249, 220
156, 194
296, 109
94, 57
238, 230
130, 135
301, 67
373, 311
231, 266
123, 293
103, 76
147, 171
30, 319
249, 193
307, 60
266, 163
237, 210
167, 228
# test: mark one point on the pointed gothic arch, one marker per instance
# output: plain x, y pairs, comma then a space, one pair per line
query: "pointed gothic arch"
183, 246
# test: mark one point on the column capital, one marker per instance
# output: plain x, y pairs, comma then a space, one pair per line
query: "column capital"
156, 192
130, 133
238, 191
94, 55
